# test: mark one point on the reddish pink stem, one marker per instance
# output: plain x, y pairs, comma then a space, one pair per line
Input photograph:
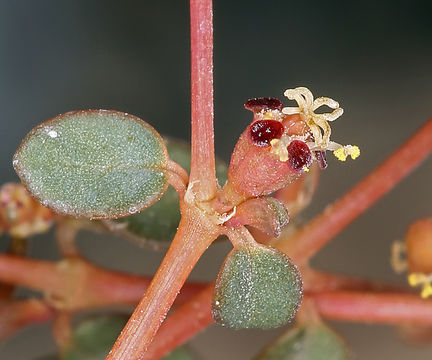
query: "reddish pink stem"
194, 235
77, 284
184, 323
16, 314
312, 237
202, 153
384, 308
39, 275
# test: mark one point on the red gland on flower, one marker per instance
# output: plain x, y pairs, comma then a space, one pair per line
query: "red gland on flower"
263, 131
263, 103
300, 156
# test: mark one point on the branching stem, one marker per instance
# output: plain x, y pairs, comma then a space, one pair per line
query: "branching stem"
194, 235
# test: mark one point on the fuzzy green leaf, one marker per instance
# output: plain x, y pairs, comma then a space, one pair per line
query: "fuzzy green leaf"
309, 342
157, 225
94, 337
94, 163
257, 287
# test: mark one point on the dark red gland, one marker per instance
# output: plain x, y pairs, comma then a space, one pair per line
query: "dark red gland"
299, 155
258, 104
264, 131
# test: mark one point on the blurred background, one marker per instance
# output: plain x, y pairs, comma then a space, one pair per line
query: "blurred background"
374, 57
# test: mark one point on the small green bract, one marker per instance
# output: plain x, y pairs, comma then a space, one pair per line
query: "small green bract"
94, 164
258, 287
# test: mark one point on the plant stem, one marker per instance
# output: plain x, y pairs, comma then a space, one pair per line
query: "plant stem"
194, 235
384, 308
314, 235
95, 286
202, 152
15, 315
39, 275
183, 323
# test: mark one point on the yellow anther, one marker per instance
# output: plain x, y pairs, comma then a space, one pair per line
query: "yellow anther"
426, 291
305, 168
415, 279
279, 148
340, 154
348, 150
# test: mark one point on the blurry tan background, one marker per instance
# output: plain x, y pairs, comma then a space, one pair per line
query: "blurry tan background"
373, 57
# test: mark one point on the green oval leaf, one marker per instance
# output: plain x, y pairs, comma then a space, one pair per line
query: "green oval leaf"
93, 163
157, 225
257, 287
309, 342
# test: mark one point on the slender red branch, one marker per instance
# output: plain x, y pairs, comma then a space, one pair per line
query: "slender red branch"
183, 323
194, 235
14, 315
75, 284
384, 308
38, 275
202, 152
319, 281
313, 236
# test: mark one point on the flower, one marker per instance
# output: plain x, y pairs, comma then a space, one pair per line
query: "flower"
318, 124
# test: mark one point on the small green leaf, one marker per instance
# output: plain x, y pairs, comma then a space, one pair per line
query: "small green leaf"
94, 337
94, 163
157, 225
309, 342
257, 287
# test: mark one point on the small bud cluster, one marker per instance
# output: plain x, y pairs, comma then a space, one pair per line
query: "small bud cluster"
20, 215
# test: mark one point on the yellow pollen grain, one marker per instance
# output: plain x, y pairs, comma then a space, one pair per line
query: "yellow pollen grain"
279, 149
340, 154
426, 291
349, 150
355, 152
305, 168
415, 279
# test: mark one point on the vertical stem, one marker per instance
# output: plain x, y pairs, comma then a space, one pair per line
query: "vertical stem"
195, 234
202, 152
312, 237
182, 324
17, 314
